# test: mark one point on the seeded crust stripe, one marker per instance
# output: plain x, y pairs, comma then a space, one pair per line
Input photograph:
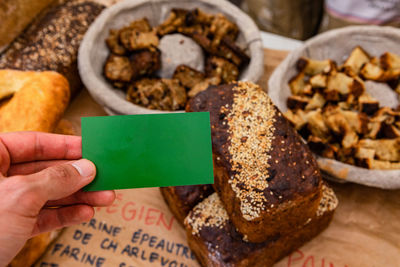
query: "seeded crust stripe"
328, 201
251, 132
210, 212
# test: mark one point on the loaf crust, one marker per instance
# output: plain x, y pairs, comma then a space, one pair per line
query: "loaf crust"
15, 15
216, 242
52, 41
181, 199
38, 102
283, 190
33, 249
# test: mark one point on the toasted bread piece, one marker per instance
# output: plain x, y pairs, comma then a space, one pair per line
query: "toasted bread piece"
297, 84
367, 104
138, 35
385, 149
114, 44
222, 69
221, 27
340, 84
313, 67
145, 62
162, 94
317, 101
316, 124
188, 76
372, 71
357, 58
382, 70
390, 61
118, 69
297, 118
203, 85
319, 80
378, 164
176, 19
297, 102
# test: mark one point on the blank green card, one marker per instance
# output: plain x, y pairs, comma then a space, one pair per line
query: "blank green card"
134, 151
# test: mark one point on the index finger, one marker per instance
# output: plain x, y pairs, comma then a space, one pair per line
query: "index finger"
34, 146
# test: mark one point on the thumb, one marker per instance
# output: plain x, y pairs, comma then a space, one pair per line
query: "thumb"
63, 180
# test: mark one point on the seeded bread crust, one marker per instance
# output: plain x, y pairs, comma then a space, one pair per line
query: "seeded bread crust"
215, 241
277, 184
51, 42
182, 199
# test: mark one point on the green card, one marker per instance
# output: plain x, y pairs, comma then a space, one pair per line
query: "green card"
134, 151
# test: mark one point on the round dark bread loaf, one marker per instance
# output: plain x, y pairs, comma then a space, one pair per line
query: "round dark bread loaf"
51, 42
266, 177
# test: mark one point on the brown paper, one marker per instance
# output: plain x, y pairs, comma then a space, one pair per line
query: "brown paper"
137, 230
365, 230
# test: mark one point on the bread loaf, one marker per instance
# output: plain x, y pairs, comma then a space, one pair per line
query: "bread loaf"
15, 15
33, 249
38, 103
52, 42
214, 240
181, 199
265, 175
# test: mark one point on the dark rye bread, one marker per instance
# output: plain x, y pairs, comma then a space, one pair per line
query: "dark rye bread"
265, 175
51, 42
215, 241
182, 199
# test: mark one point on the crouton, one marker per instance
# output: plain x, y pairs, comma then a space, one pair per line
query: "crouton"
297, 102
385, 149
357, 58
312, 67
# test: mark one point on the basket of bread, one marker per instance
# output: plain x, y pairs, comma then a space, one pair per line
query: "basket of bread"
341, 93
154, 56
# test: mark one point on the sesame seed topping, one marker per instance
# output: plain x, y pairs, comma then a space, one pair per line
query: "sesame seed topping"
252, 115
328, 201
208, 213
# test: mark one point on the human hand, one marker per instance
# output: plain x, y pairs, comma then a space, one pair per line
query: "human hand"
40, 187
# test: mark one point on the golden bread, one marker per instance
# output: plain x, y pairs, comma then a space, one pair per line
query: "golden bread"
38, 102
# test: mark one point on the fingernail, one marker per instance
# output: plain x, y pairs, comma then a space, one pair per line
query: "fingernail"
84, 167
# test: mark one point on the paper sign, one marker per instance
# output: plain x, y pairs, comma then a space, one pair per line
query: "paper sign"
134, 151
